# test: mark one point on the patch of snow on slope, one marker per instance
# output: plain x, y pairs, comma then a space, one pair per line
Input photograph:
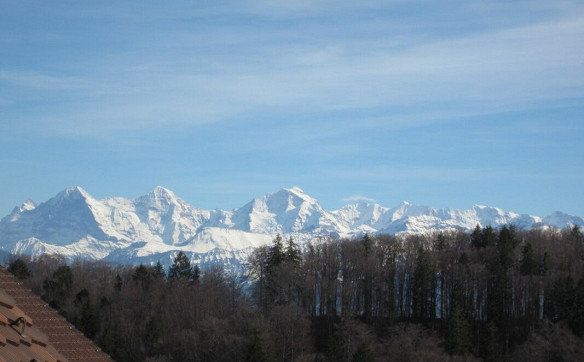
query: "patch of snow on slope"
562, 220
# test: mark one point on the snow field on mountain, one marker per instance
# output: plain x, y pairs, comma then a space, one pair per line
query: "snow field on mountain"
158, 225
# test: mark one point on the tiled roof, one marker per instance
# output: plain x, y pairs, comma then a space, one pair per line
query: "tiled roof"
47, 336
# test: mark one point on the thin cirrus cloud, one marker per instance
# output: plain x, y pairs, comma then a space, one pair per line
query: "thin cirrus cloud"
146, 89
447, 175
457, 101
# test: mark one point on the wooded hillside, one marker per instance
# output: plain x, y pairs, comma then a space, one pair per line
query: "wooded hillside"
492, 294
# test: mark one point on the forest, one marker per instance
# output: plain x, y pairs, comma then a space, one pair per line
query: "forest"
493, 294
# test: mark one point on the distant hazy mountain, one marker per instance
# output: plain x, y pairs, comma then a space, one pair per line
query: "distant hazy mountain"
156, 226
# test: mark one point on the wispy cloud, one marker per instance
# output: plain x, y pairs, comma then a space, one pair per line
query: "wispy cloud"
42, 81
354, 97
358, 198
430, 174
200, 81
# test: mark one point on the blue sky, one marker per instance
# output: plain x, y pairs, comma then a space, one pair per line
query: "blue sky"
444, 103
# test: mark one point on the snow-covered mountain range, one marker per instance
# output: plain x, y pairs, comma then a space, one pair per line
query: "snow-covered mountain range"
156, 226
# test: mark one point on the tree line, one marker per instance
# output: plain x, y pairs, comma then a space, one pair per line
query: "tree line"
491, 294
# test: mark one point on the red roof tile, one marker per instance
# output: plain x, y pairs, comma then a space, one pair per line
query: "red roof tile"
48, 336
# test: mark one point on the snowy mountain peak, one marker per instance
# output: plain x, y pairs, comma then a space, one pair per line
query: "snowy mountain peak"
294, 191
288, 200
362, 203
562, 220
485, 208
404, 209
28, 205
155, 226
163, 192
69, 198
362, 215
284, 211
14, 215
159, 198
73, 192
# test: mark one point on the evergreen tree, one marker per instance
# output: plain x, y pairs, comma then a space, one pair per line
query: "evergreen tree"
367, 243
423, 288
104, 303
459, 333
142, 276
58, 288
577, 318
293, 254
492, 346
274, 284
506, 243
441, 242
118, 283
258, 270
87, 320
367, 280
576, 234
196, 273
277, 255
489, 237
151, 335
363, 354
500, 292
19, 269
529, 264
181, 268
544, 264
81, 298
476, 238
457, 292
256, 350
158, 271
560, 302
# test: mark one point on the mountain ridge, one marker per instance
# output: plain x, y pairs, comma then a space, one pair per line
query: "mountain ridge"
160, 224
